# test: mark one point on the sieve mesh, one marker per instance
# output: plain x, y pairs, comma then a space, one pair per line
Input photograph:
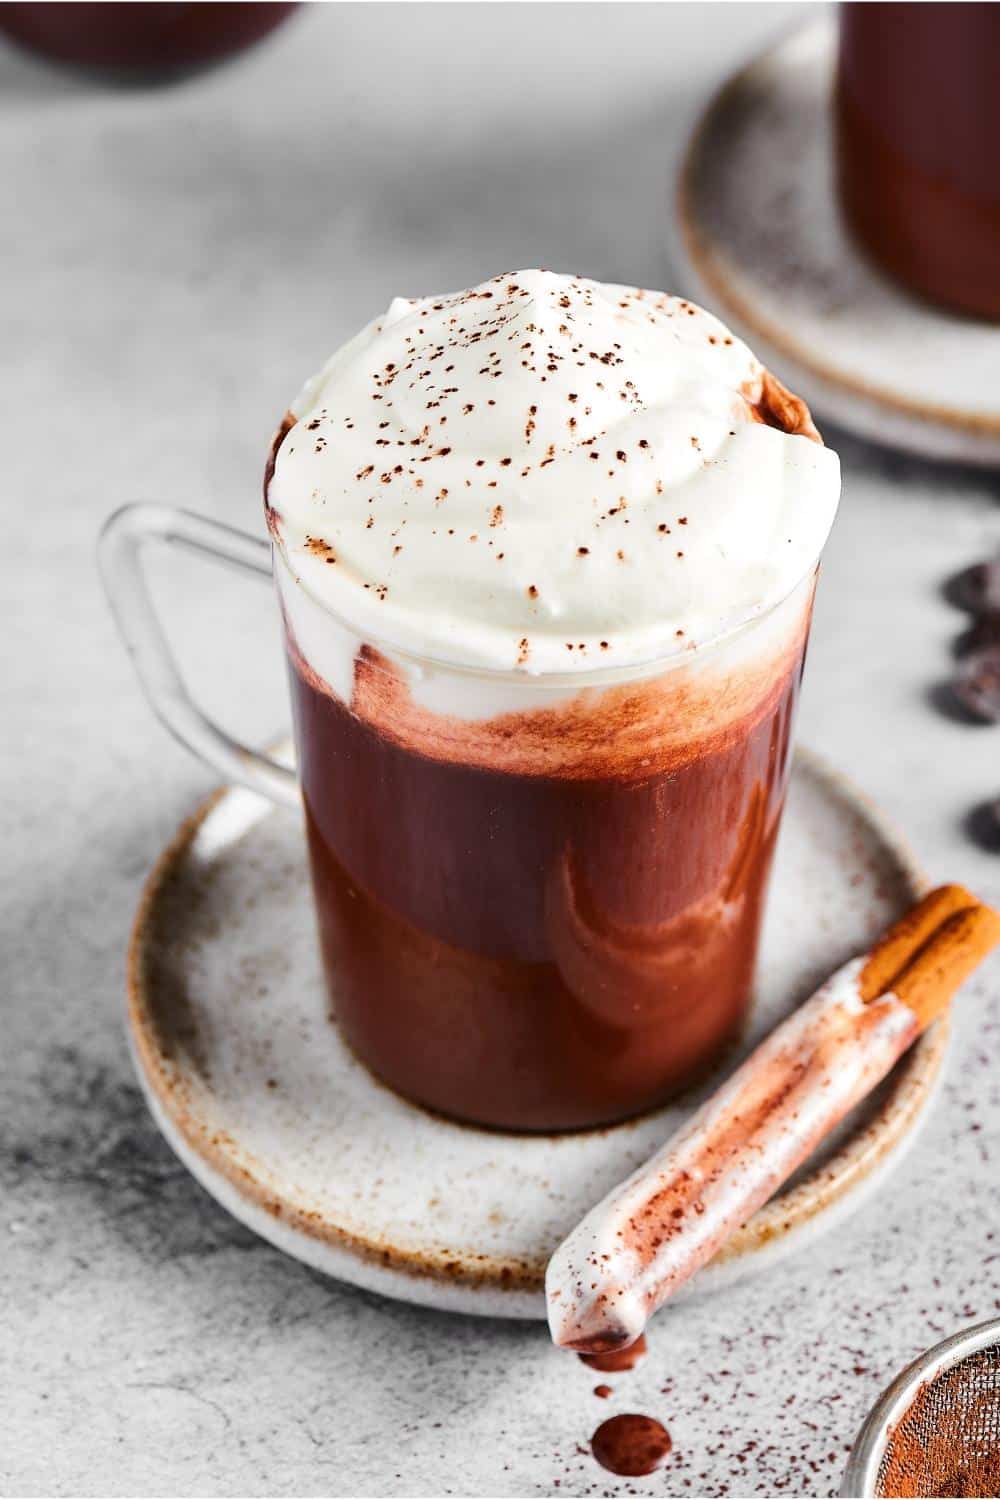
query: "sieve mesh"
948, 1440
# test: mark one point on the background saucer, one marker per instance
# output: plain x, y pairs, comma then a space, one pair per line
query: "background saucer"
258, 1096
756, 235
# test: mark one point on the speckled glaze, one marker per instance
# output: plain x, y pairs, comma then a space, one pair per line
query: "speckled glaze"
757, 234
257, 1094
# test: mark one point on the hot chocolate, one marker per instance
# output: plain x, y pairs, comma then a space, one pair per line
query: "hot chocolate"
545, 552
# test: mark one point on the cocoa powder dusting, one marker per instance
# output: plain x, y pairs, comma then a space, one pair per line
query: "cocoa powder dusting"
948, 1442
636, 729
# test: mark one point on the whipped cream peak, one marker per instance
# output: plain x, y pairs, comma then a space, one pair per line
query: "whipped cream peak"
550, 474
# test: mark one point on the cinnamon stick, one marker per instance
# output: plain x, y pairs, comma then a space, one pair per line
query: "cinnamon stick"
931, 951
959, 946
657, 1228
900, 944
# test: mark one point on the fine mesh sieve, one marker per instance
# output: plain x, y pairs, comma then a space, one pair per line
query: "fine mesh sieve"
936, 1430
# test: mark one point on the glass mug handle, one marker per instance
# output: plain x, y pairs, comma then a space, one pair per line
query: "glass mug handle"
123, 538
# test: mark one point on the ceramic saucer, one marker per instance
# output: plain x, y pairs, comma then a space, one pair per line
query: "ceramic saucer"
253, 1088
756, 235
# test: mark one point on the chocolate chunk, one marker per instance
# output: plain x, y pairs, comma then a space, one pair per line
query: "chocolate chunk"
984, 631
977, 684
976, 589
982, 824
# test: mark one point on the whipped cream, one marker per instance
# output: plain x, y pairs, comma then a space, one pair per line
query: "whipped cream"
549, 474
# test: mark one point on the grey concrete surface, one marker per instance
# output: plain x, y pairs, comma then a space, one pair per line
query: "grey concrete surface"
174, 261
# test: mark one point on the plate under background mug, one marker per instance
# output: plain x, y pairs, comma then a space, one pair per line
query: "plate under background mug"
755, 233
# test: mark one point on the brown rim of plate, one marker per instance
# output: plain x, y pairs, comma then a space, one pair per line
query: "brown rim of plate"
819, 1190
706, 260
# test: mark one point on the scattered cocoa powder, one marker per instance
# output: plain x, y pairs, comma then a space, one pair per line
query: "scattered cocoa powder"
948, 1442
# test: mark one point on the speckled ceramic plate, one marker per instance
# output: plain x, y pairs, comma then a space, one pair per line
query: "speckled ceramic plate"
253, 1088
756, 235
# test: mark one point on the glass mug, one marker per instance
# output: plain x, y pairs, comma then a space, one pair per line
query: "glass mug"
538, 897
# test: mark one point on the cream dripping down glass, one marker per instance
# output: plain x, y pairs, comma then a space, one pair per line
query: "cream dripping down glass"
545, 551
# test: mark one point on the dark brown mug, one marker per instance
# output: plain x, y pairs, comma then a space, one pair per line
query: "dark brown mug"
140, 40
917, 113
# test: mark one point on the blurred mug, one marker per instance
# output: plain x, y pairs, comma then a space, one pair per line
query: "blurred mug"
917, 130
140, 39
